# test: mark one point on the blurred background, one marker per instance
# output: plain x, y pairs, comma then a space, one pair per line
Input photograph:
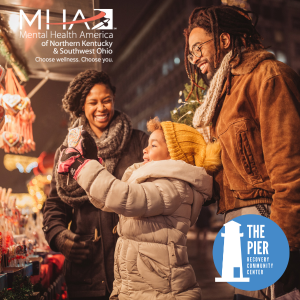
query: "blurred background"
148, 71
148, 59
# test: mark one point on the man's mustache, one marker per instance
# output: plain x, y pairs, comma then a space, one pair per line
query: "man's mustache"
200, 62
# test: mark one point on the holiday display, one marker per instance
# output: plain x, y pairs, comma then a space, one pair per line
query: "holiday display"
36, 189
12, 254
16, 134
2, 116
21, 289
25, 164
24, 252
11, 54
44, 164
192, 99
21, 237
24, 229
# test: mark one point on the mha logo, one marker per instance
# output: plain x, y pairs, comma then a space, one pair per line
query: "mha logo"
105, 18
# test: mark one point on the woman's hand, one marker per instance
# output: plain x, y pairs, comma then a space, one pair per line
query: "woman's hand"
69, 245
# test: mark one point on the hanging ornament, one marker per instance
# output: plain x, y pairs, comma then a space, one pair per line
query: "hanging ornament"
16, 135
2, 116
185, 112
11, 53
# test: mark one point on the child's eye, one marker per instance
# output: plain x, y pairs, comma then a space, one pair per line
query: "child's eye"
153, 145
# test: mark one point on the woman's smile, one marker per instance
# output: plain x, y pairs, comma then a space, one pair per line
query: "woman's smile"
99, 107
101, 118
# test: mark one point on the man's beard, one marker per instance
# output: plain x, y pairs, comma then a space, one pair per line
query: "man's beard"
213, 73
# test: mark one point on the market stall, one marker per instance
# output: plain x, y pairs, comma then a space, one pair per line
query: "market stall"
28, 268
23, 249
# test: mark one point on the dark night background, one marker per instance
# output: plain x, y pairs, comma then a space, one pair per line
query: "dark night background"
149, 34
148, 71
50, 126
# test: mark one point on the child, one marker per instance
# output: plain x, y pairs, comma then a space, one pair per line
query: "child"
157, 202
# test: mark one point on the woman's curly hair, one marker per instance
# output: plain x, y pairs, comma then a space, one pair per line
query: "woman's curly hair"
79, 88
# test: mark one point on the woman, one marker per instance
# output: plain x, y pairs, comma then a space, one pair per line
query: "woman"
89, 244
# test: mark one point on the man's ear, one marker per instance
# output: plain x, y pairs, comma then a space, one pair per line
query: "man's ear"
225, 41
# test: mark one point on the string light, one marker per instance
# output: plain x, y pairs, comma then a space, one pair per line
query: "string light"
24, 164
188, 113
23, 200
13, 22
20, 167
36, 189
31, 166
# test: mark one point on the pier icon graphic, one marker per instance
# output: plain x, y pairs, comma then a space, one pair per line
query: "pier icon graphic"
232, 268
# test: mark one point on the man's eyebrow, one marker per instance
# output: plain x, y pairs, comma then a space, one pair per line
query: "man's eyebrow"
194, 45
191, 47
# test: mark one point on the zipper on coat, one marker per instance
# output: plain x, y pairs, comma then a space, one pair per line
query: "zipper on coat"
100, 231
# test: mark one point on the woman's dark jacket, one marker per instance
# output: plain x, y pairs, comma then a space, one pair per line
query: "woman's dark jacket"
93, 277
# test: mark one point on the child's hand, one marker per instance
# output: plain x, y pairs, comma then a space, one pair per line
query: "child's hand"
67, 159
72, 160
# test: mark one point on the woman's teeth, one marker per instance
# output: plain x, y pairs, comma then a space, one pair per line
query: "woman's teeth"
101, 118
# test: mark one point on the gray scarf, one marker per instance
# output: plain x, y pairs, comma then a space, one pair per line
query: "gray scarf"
110, 145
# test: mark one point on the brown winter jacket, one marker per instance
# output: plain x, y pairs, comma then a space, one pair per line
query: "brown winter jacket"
95, 276
258, 126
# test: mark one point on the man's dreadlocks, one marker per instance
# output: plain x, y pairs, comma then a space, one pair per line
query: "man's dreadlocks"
217, 20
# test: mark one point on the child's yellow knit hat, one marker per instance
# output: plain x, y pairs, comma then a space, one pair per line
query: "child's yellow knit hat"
187, 144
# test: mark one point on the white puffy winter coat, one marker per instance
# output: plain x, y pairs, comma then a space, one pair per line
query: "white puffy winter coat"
157, 203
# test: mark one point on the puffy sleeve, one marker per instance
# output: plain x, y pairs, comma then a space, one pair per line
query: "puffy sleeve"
151, 198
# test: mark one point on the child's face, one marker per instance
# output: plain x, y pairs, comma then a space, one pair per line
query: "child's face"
157, 147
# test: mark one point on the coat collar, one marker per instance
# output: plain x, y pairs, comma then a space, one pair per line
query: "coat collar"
176, 169
250, 60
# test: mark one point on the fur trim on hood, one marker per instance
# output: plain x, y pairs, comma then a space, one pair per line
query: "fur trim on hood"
250, 60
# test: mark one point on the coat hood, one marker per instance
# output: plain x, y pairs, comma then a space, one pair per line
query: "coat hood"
176, 169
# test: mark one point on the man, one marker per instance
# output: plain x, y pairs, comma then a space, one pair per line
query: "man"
253, 108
